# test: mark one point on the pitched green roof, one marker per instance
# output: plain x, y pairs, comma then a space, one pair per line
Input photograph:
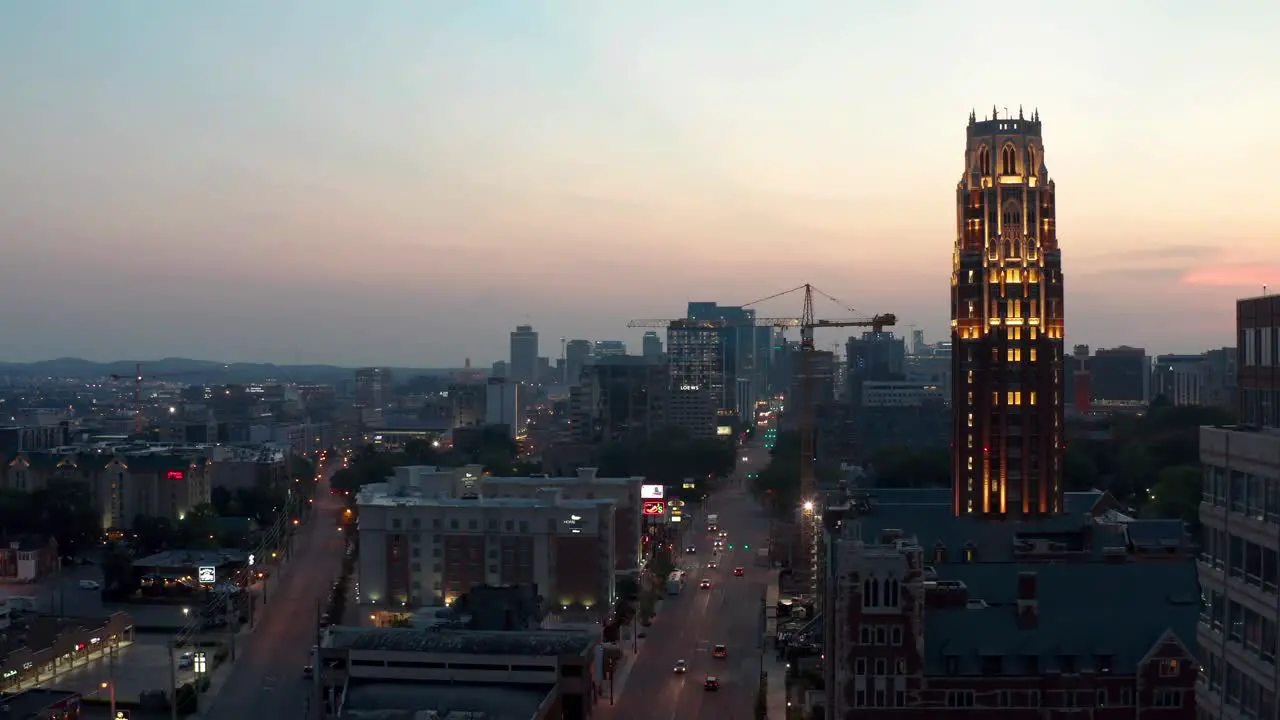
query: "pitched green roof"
1085, 610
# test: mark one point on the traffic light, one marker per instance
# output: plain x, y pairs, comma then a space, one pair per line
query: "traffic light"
745, 546
730, 546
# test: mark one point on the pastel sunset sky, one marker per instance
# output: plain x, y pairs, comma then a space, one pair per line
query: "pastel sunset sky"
403, 181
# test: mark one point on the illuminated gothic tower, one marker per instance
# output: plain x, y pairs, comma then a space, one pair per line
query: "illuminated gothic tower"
1006, 326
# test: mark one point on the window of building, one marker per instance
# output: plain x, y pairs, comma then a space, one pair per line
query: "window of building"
900, 666
1033, 699
1167, 698
895, 635
860, 698
1169, 668
882, 637
880, 698
1101, 698
864, 632
859, 666
959, 698
900, 698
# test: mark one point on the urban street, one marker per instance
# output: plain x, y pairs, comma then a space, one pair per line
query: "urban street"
690, 624
266, 680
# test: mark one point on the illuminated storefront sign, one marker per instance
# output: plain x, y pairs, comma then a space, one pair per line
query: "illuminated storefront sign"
652, 492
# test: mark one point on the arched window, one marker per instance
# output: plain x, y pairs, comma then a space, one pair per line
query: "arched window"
1008, 161
867, 597
1032, 167
970, 552
891, 592
875, 593
984, 161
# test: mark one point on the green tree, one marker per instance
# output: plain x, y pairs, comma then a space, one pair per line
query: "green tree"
907, 467
1135, 471
1079, 469
1177, 493
198, 529
153, 534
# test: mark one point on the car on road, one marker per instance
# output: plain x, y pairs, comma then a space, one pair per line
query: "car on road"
186, 661
712, 565
719, 651
90, 585
692, 549
711, 684
307, 671
739, 572
705, 584
724, 535
680, 667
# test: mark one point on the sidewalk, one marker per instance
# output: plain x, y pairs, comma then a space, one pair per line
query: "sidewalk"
777, 680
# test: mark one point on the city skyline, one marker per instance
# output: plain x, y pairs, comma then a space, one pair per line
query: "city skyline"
252, 184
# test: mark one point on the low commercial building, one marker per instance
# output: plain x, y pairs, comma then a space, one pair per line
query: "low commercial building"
46, 647
515, 675
428, 536
42, 704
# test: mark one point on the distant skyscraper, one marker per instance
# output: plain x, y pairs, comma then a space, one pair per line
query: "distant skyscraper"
696, 358
746, 350
524, 355
610, 348
576, 353
876, 356
651, 346
917, 342
1007, 326
373, 387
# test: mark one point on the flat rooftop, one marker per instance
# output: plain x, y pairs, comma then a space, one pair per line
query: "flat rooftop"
407, 701
462, 642
391, 498
191, 558
30, 702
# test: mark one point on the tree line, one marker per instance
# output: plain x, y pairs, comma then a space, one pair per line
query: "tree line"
667, 457
1149, 462
491, 448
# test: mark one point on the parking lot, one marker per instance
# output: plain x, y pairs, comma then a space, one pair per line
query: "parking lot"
140, 667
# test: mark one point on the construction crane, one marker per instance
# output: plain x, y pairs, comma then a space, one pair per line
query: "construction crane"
806, 403
139, 417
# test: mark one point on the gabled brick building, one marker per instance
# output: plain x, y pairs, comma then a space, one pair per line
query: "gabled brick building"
980, 619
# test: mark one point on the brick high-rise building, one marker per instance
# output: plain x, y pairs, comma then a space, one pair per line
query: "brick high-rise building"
1006, 326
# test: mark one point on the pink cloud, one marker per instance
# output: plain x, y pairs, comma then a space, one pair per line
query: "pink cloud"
1233, 275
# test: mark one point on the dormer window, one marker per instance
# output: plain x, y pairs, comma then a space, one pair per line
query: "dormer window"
970, 552
939, 553
984, 161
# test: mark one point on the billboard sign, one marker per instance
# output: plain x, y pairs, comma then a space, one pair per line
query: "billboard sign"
174, 475
653, 508
207, 575
653, 492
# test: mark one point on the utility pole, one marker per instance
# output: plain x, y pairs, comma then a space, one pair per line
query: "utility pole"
111, 673
173, 683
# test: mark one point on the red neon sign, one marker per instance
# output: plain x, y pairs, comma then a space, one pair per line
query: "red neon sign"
654, 507
174, 475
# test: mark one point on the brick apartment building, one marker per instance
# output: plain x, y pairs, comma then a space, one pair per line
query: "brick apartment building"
429, 535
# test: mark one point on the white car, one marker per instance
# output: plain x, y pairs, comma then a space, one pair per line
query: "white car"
90, 585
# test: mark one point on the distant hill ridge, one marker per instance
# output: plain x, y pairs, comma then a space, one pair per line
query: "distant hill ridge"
195, 371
